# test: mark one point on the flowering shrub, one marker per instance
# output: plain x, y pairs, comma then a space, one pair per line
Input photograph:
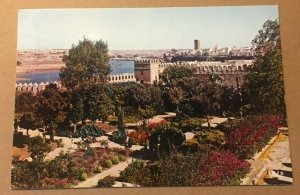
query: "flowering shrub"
139, 137
222, 168
252, 135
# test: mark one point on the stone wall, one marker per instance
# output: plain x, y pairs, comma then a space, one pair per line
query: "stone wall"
150, 70
34, 88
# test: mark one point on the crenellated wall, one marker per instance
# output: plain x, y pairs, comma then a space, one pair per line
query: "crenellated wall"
34, 88
149, 70
118, 78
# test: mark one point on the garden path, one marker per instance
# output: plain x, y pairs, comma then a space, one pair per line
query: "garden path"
274, 157
113, 171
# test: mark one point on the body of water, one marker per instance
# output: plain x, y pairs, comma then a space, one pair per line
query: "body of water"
117, 67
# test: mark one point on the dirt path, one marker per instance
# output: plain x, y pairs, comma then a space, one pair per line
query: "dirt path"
114, 171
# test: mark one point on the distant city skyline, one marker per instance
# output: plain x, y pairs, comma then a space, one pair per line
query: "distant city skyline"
143, 28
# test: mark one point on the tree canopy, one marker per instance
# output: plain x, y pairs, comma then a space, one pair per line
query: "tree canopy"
264, 87
87, 61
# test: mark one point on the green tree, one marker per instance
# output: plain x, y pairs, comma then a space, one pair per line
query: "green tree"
85, 75
38, 149
27, 121
52, 106
166, 138
176, 72
87, 61
30, 175
264, 88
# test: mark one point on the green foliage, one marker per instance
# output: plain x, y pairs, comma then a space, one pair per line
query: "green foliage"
28, 175
115, 160
24, 103
38, 148
89, 152
122, 158
191, 124
166, 138
99, 168
52, 106
132, 174
263, 87
190, 146
174, 170
86, 61
176, 72
27, 121
106, 182
88, 130
119, 137
108, 163
83, 176
213, 137
104, 143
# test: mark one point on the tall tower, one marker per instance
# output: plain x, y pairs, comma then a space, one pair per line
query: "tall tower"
196, 44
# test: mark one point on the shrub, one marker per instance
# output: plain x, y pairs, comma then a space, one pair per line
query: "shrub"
115, 160
83, 176
118, 137
139, 137
89, 152
131, 173
106, 182
190, 146
104, 143
122, 158
99, 168
214, 137
108, 163
191, 124
166, 138
222, 168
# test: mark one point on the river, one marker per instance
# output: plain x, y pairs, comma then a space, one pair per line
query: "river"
117, 67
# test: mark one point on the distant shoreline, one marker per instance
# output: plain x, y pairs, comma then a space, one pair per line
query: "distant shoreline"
27, 69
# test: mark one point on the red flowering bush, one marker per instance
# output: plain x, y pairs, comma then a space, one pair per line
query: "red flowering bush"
222, 168
139, 137
252, 135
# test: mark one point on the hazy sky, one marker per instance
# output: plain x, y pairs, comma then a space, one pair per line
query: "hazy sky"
142, 28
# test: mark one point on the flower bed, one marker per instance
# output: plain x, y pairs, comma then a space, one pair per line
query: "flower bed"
66, 169
222, 168
252, 135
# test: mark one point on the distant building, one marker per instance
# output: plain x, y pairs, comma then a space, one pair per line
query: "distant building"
147, 70
196, 44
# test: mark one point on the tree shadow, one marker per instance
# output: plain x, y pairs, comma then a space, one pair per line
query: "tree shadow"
144, 154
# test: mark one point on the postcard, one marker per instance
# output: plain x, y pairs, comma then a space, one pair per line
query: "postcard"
149, 97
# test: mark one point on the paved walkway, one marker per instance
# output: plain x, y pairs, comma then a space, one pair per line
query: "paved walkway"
274, 157
113, 171
69, 144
